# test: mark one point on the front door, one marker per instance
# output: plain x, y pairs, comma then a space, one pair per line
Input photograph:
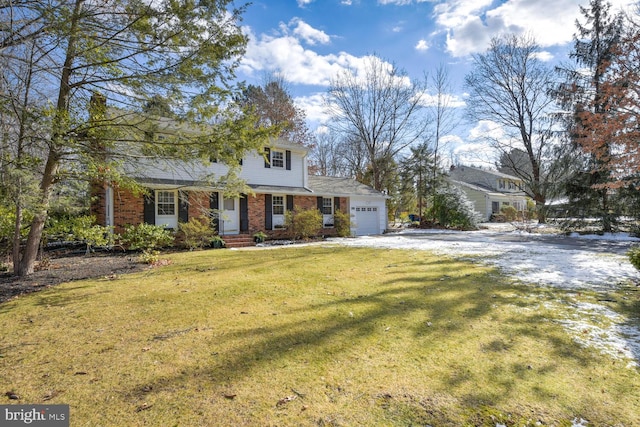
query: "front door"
230, 216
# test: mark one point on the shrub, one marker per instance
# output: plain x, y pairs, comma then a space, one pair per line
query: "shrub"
146, 237
149, 257
634, 257
259, 236
342, 223
216, 242
196, 233
303, 224
79, 229
452, 209
510, 213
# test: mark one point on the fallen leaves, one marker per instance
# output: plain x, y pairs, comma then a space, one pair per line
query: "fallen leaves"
12, 395
143, 407
286, 400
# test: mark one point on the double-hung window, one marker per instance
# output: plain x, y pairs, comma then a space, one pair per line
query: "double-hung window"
167, 208
278, 205
277, 159
327, 206
166, 202
327, 212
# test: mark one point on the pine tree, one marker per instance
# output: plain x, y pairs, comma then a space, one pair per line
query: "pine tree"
584, 93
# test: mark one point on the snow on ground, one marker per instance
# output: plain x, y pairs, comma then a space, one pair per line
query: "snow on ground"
531, 262
542, 264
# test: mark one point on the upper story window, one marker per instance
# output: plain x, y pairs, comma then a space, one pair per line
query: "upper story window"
280, 159
501, 184
277, 159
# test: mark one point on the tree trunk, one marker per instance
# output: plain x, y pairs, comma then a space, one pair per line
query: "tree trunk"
16, 238
28, 260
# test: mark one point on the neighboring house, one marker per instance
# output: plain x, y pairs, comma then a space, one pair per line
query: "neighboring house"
279, 182
489, 190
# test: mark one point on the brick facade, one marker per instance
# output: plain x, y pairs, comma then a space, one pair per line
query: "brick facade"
129, 209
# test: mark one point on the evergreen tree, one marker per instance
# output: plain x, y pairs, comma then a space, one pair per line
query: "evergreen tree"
55, 55
583, 93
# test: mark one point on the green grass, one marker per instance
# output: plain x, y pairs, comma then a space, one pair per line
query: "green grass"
313, 336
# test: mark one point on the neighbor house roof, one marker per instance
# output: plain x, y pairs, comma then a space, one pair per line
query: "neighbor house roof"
485, 190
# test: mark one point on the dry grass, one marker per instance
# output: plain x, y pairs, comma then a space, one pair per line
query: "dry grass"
308, 336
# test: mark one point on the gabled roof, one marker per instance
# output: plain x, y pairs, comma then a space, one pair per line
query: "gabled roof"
461, 169
337, 186
488, 191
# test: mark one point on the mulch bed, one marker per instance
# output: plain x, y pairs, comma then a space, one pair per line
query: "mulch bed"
66, 268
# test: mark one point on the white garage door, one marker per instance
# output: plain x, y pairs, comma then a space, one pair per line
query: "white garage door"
367, 220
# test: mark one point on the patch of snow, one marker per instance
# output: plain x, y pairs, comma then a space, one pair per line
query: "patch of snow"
543, 264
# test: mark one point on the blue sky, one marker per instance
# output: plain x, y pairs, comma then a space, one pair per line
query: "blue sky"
310, 41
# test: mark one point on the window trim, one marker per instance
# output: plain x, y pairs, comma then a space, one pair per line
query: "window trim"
281, 159
173, 203
280, 206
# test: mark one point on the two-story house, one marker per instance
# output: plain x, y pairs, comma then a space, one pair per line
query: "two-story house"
279, 181
489, 190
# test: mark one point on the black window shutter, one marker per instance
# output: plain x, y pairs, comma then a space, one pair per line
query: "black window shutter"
183, 206
288, 159
320, 204
150, 208
244, 213
336, 203
214, 205
268, 212
289, 202
267, 157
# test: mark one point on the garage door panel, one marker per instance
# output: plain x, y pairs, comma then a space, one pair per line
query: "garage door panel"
367, 220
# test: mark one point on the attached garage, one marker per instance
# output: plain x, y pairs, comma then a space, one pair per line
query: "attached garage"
366, 220
366, 206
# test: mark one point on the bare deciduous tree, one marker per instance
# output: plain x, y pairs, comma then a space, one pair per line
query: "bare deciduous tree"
379, 108
509, 87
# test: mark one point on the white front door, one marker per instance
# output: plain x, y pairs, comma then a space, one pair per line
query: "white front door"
230, 216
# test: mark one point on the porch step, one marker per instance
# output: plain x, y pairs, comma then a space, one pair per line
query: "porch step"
238, 240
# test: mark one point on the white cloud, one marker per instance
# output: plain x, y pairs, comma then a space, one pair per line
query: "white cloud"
486, 129
303, 3
313, 106
285, 52
309, 34
470, 24
422, 45
449, 100
544, 56
395, 2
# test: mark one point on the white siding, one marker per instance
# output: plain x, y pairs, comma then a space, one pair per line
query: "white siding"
252, 171
362, 201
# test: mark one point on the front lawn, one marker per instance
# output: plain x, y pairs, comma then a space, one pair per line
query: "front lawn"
314, 335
